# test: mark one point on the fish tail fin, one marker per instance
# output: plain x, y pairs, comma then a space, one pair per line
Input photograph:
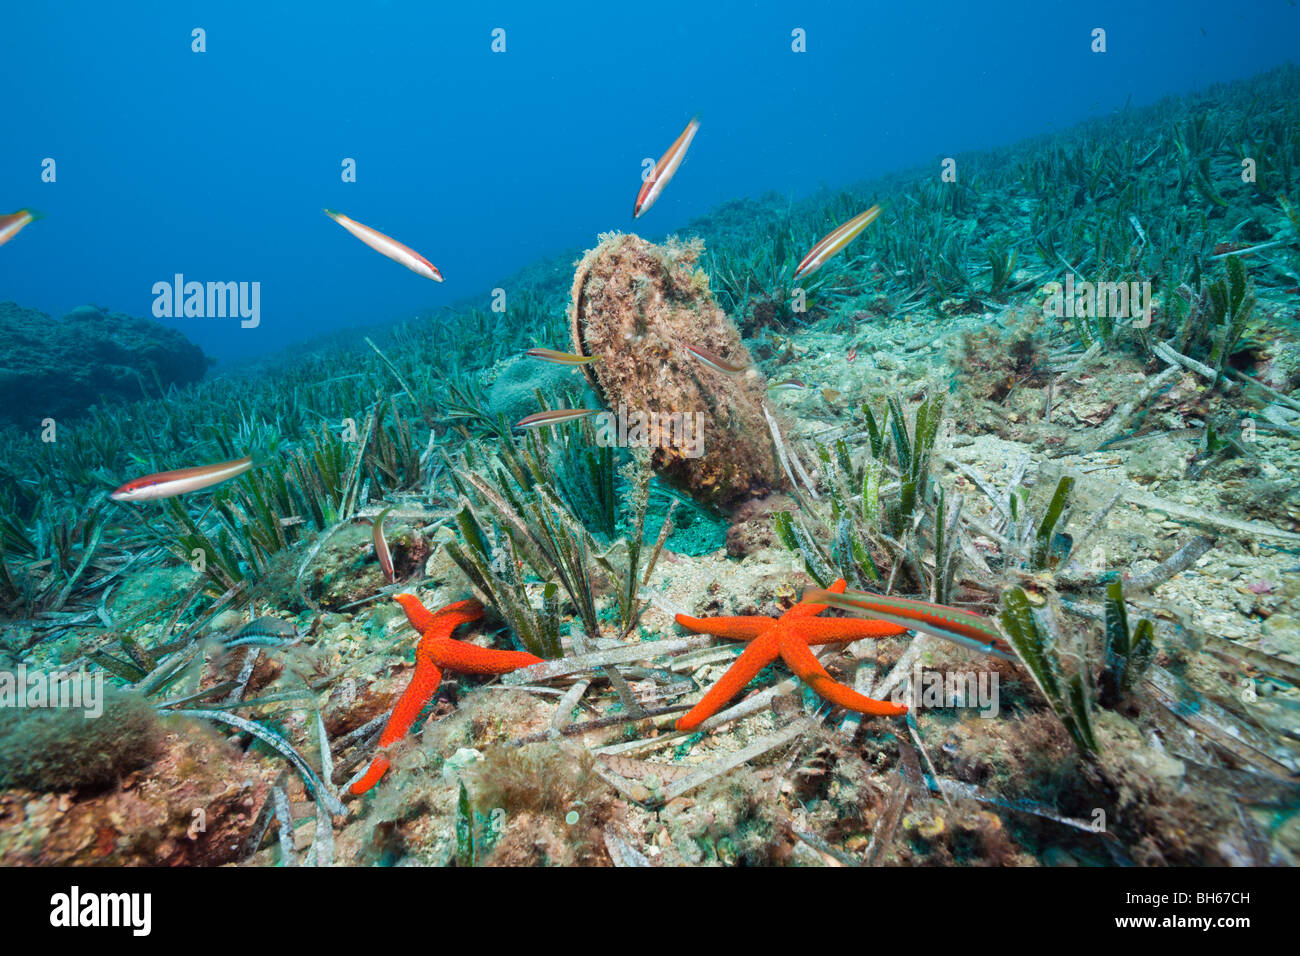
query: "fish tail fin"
332, 213
35, 214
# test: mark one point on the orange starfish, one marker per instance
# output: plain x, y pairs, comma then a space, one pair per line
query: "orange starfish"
436, 652
788, 637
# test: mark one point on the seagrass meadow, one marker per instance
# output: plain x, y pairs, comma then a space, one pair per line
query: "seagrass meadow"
1105, 507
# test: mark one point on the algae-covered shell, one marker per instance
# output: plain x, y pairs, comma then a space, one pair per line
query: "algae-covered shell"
641, 308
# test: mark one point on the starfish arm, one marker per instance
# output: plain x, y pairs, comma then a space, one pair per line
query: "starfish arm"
435, 650
466, 658
800, 611
760, 652
424, 682
422, 619
841, 630
801, 660
470, 610
378, 767
732, 628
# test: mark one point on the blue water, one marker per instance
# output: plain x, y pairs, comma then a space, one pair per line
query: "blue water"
216, 165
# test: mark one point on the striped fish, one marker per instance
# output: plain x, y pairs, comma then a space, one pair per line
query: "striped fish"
168, 484
952, 624
265, 632
388, 246
834, 241
716, 362
560, 358
664, 169
381, 547
556, 416
13, 223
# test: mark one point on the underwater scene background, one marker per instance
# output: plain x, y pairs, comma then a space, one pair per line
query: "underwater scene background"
830, 434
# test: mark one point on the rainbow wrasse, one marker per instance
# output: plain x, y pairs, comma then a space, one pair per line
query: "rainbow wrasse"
556, 416
13, 223
716, 362
952, 624
381, 547
664, 169
388, 246
168, 484
834, 241
561, 358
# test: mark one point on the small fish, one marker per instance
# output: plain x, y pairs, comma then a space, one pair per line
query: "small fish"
789, 385
267, 627
1137, 227
834, 241
832, 397
13, 223
715, 361
168, 484
952, 624
556, 416
265, 632
561, 358
853, 353
381, 547
664, 169
388, 246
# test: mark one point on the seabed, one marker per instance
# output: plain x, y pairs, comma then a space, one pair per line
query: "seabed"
933, 415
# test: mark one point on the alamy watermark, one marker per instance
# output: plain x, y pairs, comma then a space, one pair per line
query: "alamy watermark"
208, 300
1116, 300
646, 429
932, 689
74, 908
74, 690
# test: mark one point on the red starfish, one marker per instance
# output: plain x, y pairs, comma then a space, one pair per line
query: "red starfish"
787, 637
437, 651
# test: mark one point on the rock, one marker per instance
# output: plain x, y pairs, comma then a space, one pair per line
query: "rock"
52, 368
149, 819
1157, 460
1281, 635
64, 748
457, 763
1279, 414
884, 361
357, 700
519, 378
1057, 856
752, 528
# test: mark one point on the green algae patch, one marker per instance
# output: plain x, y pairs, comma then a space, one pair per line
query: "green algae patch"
65, 748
